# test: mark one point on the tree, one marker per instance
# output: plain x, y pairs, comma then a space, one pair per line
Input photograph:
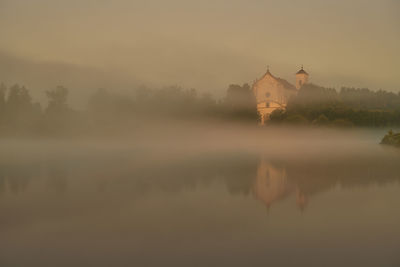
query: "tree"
57, 100
19, 99
241, 102
240, 97
391, 139
21, 114
278, 116
58, 117
322, 120
296, 120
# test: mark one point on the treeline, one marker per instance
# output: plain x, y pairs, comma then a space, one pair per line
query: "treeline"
174, 102
349, 107
20, 115
392, 139
237, 172
314, 105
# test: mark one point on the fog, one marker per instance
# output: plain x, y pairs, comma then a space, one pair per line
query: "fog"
130, 133
169, 142
201, 194
205, 45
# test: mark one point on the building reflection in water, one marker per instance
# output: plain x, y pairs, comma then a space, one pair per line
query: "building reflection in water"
272, 185
268, 180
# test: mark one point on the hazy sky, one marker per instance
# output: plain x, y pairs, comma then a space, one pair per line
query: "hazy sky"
209, 44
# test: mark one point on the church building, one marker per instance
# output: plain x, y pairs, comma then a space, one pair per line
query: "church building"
274, 93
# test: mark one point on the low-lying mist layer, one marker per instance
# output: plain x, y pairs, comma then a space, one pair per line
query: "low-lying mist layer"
116, 113
186, 156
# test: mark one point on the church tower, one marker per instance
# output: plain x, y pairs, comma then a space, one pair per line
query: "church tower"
301, 78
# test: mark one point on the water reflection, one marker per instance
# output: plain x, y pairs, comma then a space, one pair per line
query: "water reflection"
268, 180
136, 209
277, 180
16, 177
271, 183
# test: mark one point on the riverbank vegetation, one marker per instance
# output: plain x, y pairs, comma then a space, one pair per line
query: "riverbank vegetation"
392, 139
112, 111
107, 110
315, 105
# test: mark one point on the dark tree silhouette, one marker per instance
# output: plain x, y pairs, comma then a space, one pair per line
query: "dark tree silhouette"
57, 100
21, 114
59, 118
359, 107
241, 102
314, 105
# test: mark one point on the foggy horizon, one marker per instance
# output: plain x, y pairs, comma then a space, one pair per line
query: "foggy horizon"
206, 46
199, 133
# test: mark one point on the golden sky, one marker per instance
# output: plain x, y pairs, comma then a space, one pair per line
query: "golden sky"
208, 44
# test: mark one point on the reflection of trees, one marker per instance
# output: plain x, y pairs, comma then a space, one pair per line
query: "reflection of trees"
239, 173
134, 177
318, 176
16, 178
269, 180
305, 178
57, 177
236, 172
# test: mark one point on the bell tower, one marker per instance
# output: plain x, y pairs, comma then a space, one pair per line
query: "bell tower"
301, 78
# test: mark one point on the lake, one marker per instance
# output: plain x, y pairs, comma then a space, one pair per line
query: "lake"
217, 197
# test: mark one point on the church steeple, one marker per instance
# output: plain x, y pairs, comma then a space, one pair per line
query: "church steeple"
301, 78
268, 72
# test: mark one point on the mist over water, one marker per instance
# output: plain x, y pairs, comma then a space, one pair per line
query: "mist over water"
201, 194
184, 133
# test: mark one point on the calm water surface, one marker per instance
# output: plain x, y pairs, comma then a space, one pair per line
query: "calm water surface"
128, 207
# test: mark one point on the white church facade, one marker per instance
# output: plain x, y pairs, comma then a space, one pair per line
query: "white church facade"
274, 93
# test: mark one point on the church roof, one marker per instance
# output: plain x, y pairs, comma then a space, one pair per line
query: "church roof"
302, 71
268, 73
283, 82
286, 84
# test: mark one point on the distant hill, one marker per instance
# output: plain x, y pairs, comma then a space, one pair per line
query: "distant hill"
39, 76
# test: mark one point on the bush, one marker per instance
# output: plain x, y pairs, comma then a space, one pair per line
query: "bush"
392, 139
296, 119
278, 115
322, 120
